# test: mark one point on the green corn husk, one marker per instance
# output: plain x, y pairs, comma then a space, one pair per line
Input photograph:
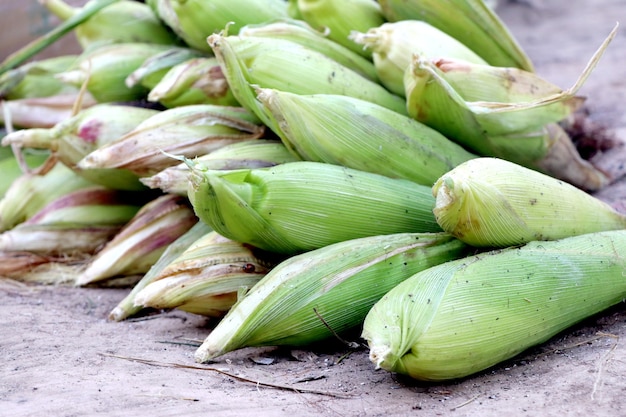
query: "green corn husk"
470, 21
245, 154
71, 140
195, 20
358, 134
393, 44
255, 61
301, 32
127, 308
464, 316
140, 244
153, 69
503, 112
12, 169
196, 81
188, 131
104, 69
310, 297
207, 277
339, 18
122, 21
299, 206
43, 112
30, 192
496, 203
37, 79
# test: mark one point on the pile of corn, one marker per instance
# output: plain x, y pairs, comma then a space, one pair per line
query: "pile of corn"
306, 167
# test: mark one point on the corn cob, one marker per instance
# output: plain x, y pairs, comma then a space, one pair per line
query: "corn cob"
36, 79
393, 45
30, 192
154, 68
304, 298
103, 70
301, 32
127, 308
248, 61
470, 21
496, 203
207, 277
195, 20
503, 112
122, 21
71, 140
300, 206
339, 18
142, 240
244, 154
188, 131
464, 316
362, 135
196, 81
44, 112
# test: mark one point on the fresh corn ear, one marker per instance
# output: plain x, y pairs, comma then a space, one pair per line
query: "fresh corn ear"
43, 112
104, 69
464, 316
207, 277
248, 61
127, 308
491, 202
41, 269
393, 44
195, 81
503, 112
122, 21
188, 131
301, 32
142, 241
362, 135
470, 21
154, 68
36, 79
11, 169
299, 206
244, 154
339, 18
91, 128
194, 20
304, 298
30, 192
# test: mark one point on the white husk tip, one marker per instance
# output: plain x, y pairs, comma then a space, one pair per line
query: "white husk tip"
379, 354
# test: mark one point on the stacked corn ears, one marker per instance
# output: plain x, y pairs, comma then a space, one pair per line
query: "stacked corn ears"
302, 168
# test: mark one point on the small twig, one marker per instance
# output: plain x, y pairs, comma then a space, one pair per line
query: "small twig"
604, 360
463, 404
353, 345
230, 375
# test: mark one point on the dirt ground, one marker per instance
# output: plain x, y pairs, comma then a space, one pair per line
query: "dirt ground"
62, 357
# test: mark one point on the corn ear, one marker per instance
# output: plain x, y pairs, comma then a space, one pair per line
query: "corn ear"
339, 18
104, 69
248, 61
471, 21
503, 112
188, 131
393, 44
43, 112
304, 298
195, 20
206, 278
496, 203
127, 308
361, 135
300, 206
142, 241
195, 81
36, 79
122, 21
11, 169
41, 269
464, 316
244, 154
301, 32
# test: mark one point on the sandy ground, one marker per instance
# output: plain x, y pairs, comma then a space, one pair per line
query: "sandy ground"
61, 357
